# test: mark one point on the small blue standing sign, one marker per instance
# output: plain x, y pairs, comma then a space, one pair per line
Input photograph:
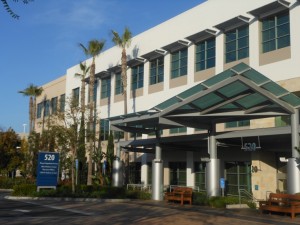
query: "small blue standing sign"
48, 169
222, 183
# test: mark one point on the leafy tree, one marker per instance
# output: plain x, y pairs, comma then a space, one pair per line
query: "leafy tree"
93, 49
11, 156
10, 11
32, 91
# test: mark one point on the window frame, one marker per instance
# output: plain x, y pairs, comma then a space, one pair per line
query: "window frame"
62, 102
275, 28
206, 58
182, 68
105, 88
139, 81
118, 84
233, 38
156, 73
54, 105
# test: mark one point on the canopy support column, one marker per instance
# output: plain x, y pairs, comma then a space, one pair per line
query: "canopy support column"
213, 166
117, 180
293, 172
157, 172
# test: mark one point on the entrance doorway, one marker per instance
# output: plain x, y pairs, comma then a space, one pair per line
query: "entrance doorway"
238, 176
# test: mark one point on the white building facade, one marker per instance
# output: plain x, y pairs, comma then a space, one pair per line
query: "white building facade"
186, 50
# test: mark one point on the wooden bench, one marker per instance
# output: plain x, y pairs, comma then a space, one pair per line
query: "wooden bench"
180, 194
285, 203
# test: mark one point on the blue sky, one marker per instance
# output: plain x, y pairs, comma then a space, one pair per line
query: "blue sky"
43, 43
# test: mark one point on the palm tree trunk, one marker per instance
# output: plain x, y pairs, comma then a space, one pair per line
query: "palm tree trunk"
34, 114
91, 123
30, 113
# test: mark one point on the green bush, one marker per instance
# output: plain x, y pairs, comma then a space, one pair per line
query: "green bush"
9, 183
134, 194
24, 190
200, 198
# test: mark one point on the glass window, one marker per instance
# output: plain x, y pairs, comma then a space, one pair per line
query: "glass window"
75, 96
118, 135
135, 172
137, 77
54, 105
241, 123
275, 32
205, 54
95, 92
179, 63
178, 130
135, 135
157, 70
200, 171
118, 84
104, 129
62, 101
39, 110
105, 88
177, 173
238, 176
47, 108
237, 44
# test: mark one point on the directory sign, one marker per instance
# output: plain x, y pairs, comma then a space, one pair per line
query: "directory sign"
48, 169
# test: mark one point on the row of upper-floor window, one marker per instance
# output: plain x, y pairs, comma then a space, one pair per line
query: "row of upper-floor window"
52, 106
275, 34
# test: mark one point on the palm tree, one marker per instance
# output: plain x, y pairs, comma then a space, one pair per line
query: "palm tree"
123, 42
94, 48
32, 91
80, 155
85, 69
10, 11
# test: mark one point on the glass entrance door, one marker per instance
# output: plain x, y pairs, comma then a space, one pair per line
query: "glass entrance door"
238, 176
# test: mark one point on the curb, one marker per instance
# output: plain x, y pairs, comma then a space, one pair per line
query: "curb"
70, 199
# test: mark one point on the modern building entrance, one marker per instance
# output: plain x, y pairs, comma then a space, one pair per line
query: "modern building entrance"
237, 94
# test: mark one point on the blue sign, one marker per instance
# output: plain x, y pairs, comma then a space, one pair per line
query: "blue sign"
48, 169
222, 183
76, 164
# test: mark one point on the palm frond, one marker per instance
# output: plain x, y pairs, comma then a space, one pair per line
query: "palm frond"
116, 38
85, 50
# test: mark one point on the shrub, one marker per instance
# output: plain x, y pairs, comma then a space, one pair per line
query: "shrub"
134, 194
24, 190
9, 183
200, 198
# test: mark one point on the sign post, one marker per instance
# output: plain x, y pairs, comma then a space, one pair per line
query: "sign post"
47, 170
76, 166
222, 185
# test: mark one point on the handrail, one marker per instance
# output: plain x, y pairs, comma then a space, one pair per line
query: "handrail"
141, 187
247, 194
195, 188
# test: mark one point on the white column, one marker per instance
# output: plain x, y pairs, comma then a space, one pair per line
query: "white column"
157, 175
213, 166
144, 170
293, 172
190, 178
117, 173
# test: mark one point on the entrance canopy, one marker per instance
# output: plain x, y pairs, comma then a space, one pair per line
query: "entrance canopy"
238, 93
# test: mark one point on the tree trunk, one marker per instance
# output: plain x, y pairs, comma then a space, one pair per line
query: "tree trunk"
91, 123
30, 113
34, 114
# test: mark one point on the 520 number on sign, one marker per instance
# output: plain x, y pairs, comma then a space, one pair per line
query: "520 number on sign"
49, 157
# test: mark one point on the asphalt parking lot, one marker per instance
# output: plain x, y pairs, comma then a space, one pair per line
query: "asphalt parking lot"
54, 211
